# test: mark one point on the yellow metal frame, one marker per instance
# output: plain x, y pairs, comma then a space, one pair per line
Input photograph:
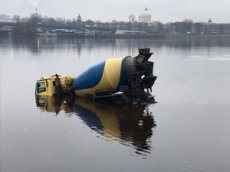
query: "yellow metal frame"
66, 82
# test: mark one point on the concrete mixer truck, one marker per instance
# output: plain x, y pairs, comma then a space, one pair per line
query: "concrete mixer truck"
126, 80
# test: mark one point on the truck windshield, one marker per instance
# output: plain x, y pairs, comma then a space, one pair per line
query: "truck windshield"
41, 87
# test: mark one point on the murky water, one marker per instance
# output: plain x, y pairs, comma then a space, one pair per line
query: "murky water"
187, 130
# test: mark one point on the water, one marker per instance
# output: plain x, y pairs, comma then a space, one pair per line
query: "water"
187, 130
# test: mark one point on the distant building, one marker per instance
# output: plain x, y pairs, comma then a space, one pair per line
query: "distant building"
131, 18
145, 17
209, 21
129, 32
79, 18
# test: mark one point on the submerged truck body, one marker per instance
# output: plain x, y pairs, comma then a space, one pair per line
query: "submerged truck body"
116, 80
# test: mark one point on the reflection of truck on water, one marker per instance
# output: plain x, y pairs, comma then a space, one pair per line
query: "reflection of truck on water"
130, 124
116, 80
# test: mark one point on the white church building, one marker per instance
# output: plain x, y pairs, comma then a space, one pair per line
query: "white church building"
142, 18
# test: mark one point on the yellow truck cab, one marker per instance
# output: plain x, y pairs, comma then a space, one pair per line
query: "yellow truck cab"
53, 85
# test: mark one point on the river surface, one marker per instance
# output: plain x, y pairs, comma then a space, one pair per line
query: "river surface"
188, 129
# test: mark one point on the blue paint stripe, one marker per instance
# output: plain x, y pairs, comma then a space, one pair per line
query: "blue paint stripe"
89, 78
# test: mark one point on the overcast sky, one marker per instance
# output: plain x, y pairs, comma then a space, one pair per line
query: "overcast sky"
107, 10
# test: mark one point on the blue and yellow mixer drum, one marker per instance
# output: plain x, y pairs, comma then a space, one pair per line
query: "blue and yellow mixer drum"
116, 80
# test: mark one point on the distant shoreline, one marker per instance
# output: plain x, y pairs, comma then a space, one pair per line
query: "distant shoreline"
154, 37
176, 36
